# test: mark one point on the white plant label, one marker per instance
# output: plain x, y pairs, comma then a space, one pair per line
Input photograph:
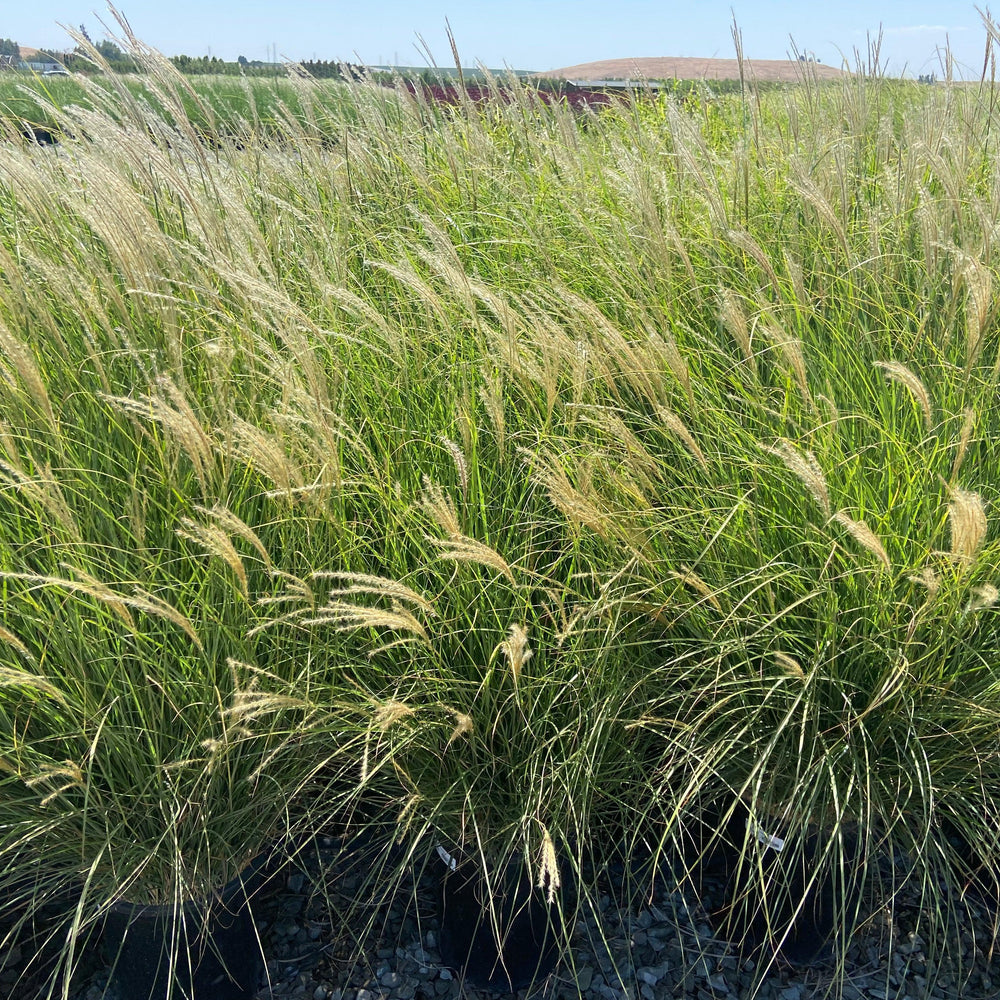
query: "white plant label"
765, 838
446, 858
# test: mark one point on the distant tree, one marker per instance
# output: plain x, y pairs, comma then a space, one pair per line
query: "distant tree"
242, 60
321, 69
80, 60
110, 51
8, 47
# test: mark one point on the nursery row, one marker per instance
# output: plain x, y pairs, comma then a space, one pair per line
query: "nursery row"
566, 486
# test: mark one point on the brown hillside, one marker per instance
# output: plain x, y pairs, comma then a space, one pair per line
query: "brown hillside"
681, 68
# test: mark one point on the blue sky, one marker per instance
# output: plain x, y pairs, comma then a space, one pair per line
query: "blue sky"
539, 35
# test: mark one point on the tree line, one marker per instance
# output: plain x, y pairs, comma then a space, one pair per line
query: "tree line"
118, 61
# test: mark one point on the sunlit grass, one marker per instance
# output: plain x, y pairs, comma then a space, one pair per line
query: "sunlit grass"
547, 479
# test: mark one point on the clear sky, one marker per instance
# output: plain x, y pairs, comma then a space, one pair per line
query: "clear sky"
522, 34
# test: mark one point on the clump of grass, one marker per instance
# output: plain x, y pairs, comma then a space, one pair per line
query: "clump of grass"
556, 482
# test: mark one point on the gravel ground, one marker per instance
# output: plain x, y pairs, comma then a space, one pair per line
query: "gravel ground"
660, 949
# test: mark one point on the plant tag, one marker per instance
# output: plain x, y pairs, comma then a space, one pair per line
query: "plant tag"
446, 858
766, 839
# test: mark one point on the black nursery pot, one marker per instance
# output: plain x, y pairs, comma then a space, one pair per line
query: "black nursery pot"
803, 909
498, 933
36, 908
214, 945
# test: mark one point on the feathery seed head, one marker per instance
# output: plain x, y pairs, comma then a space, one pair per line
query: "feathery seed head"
515, 647
390, 712
458, 457
13, 678
471, 550
789, 665
491, 395
688, 576
864, 535
967, 518
928, 579
807, 469
12, 640
366, 583
900, 373
347, 617
463, 725
968, 424
984, 596
791, 348
735, 322
405, 817
679, 366
548, 868
580, 506
676, 426
65, 775
214, 540
237, 526
978, 284
440, 507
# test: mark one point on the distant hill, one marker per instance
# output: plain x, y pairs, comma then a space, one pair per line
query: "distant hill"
683, 68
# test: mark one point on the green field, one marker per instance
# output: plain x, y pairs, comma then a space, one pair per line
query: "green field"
536, 480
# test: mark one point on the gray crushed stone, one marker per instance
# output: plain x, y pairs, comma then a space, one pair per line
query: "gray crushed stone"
319, 944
